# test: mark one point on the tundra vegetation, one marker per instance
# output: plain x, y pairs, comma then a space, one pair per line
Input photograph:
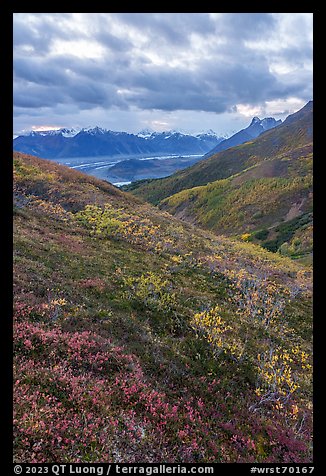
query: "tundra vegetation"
141, 338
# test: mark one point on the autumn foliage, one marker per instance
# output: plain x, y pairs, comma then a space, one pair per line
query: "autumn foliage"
138, 338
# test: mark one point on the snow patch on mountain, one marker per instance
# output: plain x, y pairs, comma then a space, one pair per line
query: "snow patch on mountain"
69, 132
145, 133
94, 130
269, 123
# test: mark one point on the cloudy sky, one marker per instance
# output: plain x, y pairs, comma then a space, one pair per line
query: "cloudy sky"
185, 71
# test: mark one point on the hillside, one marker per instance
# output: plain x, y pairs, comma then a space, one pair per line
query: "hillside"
138, 169
270, 202
140, 338
293, 133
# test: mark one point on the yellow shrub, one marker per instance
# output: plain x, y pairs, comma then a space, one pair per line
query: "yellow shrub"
245, 236
211, 324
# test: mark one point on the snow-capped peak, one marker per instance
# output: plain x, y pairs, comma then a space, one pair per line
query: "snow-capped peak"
94, 130
148, 134
178, 133
209, 132
266, 123
53, 132
69, 132
255, 120
145, 133
269, 122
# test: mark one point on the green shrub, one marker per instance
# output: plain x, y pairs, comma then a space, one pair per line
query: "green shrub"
257, 215
261, 234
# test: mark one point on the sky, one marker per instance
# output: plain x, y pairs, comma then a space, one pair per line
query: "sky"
159, 71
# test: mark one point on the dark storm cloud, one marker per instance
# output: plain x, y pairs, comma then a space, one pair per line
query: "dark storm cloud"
63, 80
167, 61
84, 94
36, 70
89, 94
215, 91
247, 81
178, 99
29, 95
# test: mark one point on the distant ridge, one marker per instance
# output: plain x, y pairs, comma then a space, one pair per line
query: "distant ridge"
255, 128
97, 142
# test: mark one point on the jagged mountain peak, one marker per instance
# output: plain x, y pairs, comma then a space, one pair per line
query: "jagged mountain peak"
266, 123
255, 120
94, 130
64, 131
255, 128
269, 122
145, 133
209, 133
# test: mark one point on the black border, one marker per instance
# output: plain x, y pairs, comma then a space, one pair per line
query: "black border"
7, 231
6, 335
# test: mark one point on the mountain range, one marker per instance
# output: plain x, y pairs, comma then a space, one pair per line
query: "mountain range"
95, 142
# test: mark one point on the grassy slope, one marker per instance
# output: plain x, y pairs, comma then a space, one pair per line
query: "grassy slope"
295, 132
116, 358
267, 201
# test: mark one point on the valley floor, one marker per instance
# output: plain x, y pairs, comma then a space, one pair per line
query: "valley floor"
122, 170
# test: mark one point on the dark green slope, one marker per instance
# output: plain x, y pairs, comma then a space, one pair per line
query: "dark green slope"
296, 131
